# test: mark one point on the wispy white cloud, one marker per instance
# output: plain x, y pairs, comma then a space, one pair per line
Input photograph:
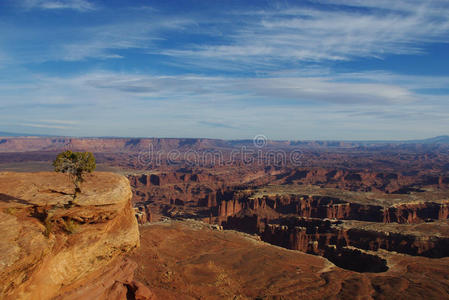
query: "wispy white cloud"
100, 41
435, 8
358, 105
104, 41
37, 125
296, 34
260, 40
331, 89
79, 5
61, 122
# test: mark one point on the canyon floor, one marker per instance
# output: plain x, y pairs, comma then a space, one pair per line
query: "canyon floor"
192, 260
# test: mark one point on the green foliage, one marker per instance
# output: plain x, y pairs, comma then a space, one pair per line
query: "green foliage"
48, 227
10, 210
46, 218
70, 226
76, 164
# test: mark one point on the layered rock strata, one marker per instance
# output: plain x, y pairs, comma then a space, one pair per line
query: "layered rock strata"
52, 248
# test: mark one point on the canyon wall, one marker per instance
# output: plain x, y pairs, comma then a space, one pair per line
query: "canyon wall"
313, 206
388, 181
314, 236
177, 188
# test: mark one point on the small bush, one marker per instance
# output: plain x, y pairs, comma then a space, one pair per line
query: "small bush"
70, 226
48, 227
76, 164
10, 210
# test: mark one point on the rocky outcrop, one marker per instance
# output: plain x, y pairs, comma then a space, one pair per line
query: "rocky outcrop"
324, 207
197, 191
177, 188
416, 212
354, 259
51, 249
365, 181
315, 235
143, 214
114, 281
409, 243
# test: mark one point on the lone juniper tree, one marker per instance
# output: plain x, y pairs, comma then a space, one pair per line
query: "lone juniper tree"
76, 164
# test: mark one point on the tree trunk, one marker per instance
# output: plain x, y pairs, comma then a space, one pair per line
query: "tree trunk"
77, 188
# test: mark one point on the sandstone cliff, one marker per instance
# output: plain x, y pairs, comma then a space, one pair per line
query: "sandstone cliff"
317, 206
52, 250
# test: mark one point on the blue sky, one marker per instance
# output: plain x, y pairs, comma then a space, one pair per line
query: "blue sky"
327, 69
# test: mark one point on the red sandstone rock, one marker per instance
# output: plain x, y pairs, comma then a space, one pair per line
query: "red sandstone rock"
72, 252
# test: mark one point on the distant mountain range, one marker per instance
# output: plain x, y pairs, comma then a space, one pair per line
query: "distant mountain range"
442, 139
3, 133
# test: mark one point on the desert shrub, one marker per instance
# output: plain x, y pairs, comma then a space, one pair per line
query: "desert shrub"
76, 165
10, 210
70, 226
48, 227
